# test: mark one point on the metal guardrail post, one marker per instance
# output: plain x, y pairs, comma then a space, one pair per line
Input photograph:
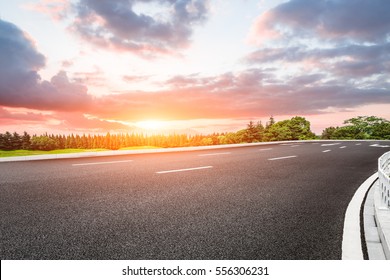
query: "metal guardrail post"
384, 178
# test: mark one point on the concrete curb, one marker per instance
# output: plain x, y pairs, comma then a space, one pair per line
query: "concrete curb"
164, 150
351, 248
382, 218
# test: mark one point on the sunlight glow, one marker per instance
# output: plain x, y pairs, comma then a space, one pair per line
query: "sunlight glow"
151, 125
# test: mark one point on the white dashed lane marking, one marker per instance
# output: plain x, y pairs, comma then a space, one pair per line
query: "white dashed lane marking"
326, 151
380, 146
183, 170
332, 144
214, 154
279, 158
265, 149
343, 147
101, 162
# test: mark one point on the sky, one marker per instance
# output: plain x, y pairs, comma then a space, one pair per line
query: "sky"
98, 66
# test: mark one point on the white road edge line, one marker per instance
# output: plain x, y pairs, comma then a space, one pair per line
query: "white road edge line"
214, 154
277, 158
101, 162
352, 244
182, 170
326, 151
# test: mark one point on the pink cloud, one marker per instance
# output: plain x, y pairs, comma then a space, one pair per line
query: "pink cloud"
135, 78
8, 116
262, 29
70, 121
56, 9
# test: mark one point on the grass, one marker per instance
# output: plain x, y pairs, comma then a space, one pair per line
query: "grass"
17, 153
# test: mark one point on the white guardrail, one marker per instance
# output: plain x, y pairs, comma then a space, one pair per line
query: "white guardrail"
384, 178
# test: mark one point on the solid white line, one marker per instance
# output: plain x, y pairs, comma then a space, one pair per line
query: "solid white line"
326, 151
101, 162
282, 158
352, 245
182, 170
215, 154
266, 149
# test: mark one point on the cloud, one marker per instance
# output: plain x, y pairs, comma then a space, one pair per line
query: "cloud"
343, 73
95, 77
56, 9
8, 117
299, 53
329, 53
77, 121
20, 83
19, 55
343, 61
350, 20
160, 27
63, 122
135, 78
243, 94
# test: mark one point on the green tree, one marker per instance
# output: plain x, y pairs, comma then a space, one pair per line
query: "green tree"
297, 128
26, 141
348, 132
278, 132
328, 133
270, 123
6, 141
240, 136
381, 131
207, 141
361, 127
300, 129
364, 125
16, 141
251, 133
43, 143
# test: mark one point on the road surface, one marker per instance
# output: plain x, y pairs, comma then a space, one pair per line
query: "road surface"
262, 202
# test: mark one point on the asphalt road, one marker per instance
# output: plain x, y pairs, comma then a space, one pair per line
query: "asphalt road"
264, 202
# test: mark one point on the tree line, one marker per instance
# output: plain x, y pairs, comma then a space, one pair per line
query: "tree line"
361, 127
296, 128
293, 129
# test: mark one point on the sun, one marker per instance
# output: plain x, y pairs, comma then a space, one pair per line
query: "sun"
151, 125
